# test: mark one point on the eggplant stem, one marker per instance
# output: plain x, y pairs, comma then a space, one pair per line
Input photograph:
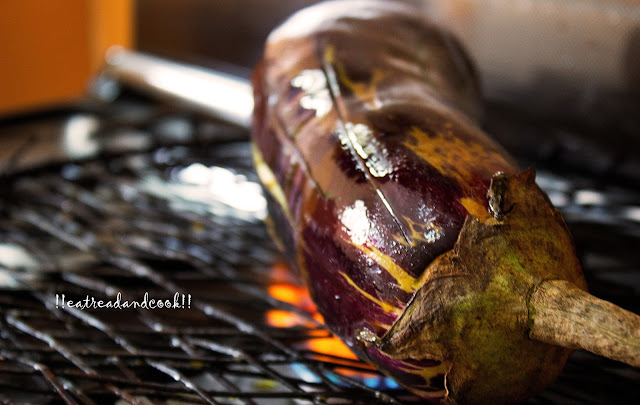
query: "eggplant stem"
564, 315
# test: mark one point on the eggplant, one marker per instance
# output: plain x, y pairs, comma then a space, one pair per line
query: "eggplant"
425, 247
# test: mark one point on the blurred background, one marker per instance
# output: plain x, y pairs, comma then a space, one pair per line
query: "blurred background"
107, 186
574, 56
50, 49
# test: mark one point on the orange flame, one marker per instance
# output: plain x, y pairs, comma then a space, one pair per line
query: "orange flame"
332, 346
299, 297
295, 295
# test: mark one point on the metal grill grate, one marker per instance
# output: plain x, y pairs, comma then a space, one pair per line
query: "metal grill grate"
159, 220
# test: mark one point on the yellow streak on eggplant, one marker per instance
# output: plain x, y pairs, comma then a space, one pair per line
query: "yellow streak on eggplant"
426, 231
380, 325
330, 54
427, 373
453, 156
269, 180
384, 305
475, 208
405, 281
365, 92
450, 155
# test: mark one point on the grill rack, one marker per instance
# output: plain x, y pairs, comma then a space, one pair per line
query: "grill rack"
99, 227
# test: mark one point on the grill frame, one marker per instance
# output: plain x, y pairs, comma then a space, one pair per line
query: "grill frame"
94, 231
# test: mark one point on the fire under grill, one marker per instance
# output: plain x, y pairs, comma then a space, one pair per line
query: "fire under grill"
171, 209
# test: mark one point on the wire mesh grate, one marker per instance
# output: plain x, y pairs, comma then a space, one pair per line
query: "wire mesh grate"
179, 220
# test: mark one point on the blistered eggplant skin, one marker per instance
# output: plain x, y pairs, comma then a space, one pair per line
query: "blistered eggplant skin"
365, 138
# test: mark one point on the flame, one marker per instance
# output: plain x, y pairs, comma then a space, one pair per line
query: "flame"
295, 295
282, 319
286, 290
332, 346
299, 297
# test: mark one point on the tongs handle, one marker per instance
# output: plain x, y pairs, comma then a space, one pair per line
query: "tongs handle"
222, 95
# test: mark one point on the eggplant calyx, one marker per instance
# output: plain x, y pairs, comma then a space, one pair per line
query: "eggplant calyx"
472, 311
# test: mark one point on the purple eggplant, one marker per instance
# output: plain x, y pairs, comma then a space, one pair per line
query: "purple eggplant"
423, 245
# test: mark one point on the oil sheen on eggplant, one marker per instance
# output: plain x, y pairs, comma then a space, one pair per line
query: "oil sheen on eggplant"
366, 139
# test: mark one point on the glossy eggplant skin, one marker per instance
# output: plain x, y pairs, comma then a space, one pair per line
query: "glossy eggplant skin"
366, 140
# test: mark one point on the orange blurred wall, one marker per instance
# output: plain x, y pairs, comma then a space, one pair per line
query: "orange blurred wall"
50, 48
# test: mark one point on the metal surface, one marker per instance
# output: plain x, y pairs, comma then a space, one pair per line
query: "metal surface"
52, 139
229, 97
